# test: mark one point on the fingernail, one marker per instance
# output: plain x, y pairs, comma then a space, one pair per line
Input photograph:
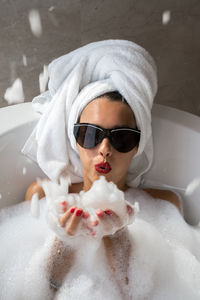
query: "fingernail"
107, 212
95, 223
129, 210
64, 209
64, 206
100, 213
79, 212
72, 210
85, 215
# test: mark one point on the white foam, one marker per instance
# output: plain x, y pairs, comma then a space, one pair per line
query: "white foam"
24, 171
102, 195
164, 260
166, 16
51, 8
24, 59
35, 22
15, 93
35, 208
43, 79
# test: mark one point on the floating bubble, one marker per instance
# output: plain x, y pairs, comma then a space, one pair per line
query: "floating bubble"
15, 93
51, 8
166, 16
35, 22
24, 171
35, 208
43, 79
24, 59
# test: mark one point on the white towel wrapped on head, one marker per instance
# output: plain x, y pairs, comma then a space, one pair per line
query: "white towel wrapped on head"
77, 78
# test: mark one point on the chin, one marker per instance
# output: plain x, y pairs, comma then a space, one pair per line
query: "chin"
98, 175
108, 177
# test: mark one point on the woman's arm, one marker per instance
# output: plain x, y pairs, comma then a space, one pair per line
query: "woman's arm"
32, 189
165, 195
118, 249
59, 262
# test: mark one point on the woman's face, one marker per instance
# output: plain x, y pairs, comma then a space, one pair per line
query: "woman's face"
106, 114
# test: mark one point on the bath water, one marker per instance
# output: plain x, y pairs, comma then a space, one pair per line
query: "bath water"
164, 257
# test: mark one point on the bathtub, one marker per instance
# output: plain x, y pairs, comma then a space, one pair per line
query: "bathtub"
176, 136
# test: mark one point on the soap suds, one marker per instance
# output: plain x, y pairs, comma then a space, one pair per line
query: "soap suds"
164, 261
35, 22
15, 93
103, 195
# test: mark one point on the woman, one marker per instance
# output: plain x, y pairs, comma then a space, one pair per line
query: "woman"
108, 130
102, 159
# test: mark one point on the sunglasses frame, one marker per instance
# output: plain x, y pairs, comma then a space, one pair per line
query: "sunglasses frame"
107, 132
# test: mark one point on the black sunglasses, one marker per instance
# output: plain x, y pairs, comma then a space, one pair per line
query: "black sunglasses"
123, 139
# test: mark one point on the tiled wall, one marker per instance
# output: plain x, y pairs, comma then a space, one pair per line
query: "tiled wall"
68, 24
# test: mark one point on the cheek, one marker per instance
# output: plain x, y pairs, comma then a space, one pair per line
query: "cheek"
86, 155
127, 157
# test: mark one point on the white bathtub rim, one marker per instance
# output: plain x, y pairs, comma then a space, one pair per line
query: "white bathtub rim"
17, 115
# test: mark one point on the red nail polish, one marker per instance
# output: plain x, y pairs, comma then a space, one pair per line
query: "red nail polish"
85, 215
129, 210
107, 212
95, 223
64, 206
99, 213
79, 212
64, 209
72, 210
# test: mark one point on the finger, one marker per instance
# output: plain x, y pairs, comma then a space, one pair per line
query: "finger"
115, 219
64, 206
94, 223
110, 219
63, 220
129, 209
91, 231
72, 227
131, 214
100, 213
85, 215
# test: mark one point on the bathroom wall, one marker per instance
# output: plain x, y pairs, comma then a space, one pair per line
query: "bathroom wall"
168, 29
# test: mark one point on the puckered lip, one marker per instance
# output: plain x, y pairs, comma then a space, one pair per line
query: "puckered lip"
103, 167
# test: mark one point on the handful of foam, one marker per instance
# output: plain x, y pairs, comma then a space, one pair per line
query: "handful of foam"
103, 195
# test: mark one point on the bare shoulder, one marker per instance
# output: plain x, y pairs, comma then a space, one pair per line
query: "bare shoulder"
35, 187
32, 189
164, 195
76, 187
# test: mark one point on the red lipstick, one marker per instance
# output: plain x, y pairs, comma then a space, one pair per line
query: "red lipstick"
103, 167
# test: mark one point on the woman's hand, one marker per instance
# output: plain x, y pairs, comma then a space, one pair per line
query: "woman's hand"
33, 189
72, 219
107, 221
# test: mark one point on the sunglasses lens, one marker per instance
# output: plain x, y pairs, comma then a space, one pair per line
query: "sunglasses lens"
125, 140
87, 136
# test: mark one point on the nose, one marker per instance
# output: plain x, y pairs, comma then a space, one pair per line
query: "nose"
105, 148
